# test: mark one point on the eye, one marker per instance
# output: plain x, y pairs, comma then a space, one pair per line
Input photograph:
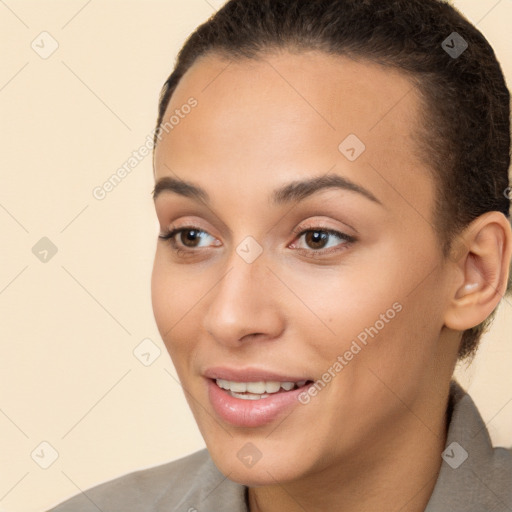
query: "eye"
190, 238
321, 240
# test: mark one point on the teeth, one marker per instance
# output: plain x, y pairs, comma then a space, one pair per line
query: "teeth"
247, 396
271, 386
256, 390
222, 383
238, 387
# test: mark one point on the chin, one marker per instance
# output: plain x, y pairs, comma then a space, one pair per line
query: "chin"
263, 473
258, 462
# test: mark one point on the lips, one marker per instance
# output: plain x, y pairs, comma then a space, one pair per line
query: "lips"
252, 397
251, 374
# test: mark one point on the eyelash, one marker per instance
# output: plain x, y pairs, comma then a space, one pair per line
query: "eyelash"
170, 235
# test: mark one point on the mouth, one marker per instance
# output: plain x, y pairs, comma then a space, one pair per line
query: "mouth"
260, 389
253, 398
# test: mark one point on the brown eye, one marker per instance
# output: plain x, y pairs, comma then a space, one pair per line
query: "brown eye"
316, 239
189, 237
188, 240
319, 241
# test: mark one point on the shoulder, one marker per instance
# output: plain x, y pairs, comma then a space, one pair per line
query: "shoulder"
475, 476
176, 485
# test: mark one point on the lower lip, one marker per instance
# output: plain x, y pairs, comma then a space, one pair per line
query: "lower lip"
251, 413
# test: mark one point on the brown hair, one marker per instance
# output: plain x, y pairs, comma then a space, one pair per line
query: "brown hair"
465, 125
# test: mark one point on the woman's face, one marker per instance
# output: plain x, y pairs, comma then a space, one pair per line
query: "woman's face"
276, 279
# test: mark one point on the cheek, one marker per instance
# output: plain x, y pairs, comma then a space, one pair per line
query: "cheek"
378, 305
396, 341
356, 299
161, 295
173, 300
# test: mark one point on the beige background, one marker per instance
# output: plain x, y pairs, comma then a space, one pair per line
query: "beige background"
69, 326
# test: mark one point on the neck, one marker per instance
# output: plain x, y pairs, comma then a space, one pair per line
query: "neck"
397, 471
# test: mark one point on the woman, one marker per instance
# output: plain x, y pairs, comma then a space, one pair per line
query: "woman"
333, 198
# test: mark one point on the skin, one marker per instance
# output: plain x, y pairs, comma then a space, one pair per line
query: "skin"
372, 438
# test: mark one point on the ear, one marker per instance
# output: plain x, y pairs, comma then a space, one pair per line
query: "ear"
481, 269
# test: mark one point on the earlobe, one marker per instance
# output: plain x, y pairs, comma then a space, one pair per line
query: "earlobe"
483, 267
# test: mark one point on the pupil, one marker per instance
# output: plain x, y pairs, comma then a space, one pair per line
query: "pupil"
318, 237
191, 235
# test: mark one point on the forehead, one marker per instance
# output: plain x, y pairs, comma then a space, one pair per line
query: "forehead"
290, 115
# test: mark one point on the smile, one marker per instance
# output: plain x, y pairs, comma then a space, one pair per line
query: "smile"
257, 390
254, 403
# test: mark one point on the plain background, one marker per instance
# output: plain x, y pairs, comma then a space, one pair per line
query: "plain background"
69, 325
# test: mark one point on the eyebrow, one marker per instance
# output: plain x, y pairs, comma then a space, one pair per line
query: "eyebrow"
294, 191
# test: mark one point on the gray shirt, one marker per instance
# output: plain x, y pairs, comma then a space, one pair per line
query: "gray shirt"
474, 477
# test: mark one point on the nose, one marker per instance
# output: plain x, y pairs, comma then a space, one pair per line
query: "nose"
244, 304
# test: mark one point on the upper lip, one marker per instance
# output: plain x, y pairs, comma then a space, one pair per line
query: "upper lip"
250, 374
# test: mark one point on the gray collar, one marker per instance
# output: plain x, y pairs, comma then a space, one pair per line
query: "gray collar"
474, 476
